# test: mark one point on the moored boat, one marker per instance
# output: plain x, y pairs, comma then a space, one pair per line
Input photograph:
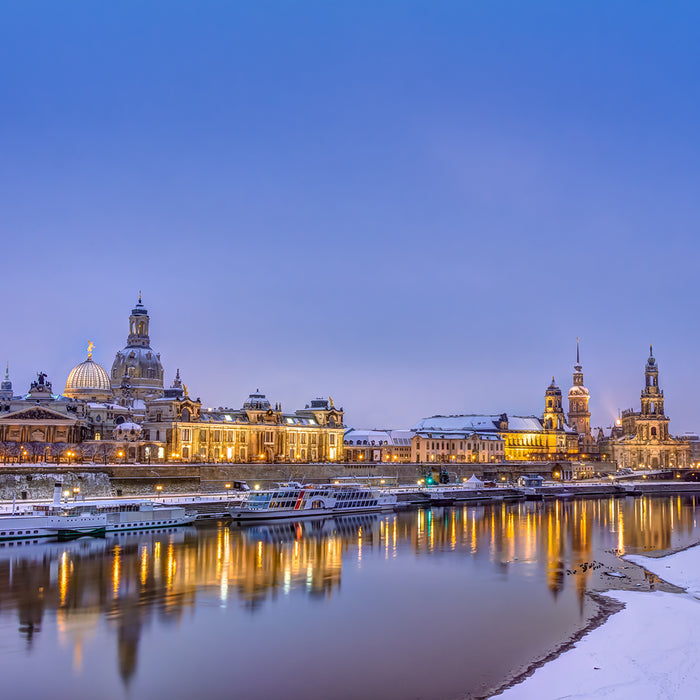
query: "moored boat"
292, 500
90, 518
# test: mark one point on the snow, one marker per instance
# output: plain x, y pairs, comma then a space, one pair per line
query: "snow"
648, 650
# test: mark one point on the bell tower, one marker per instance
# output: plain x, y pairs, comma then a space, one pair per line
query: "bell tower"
579, 417
138, 327
652, 423
553, 417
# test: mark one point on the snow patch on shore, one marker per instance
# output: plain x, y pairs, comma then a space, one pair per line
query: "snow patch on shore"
648, 650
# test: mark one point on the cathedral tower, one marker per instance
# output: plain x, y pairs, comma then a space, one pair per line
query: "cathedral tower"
579, 417
553, 417
652, 424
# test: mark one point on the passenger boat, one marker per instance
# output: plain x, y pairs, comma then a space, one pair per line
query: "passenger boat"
48, 521
64, 520
292, 500
122, 516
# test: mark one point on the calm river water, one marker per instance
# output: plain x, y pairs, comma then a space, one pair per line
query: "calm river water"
420, 604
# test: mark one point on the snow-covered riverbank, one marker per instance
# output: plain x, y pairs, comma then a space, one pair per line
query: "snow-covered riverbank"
648, 650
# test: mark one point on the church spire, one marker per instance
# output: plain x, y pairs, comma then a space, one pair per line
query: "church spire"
578, 416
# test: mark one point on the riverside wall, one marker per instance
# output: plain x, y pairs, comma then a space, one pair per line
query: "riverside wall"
37, 481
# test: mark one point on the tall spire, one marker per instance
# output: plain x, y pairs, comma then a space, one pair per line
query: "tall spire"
139, 296
651, 351
578, 362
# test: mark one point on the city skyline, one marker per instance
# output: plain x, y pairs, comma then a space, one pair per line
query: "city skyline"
415, 210
58, 382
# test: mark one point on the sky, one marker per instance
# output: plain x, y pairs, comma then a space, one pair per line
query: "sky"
413, 207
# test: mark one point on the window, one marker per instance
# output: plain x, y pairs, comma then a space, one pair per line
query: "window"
331, 439
202, 435
186, 434
217, 436
303, 438
313, 438
292, 438
241, 436
268, 436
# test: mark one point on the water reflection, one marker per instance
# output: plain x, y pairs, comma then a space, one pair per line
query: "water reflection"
133, 580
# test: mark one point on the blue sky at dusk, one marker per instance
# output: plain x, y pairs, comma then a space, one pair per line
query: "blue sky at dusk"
413, 207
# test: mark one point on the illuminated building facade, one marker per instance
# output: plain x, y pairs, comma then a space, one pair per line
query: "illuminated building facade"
128, 416
257, 432
495, 438
643, 439
39, 425
460, 439
371, 446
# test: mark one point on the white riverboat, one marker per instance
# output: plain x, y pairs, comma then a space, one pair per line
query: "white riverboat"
292, 500
122, 516
63, 520
51, 521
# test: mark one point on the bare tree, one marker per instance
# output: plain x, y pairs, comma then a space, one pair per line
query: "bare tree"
57, 449
36, 450
14, 449
106, 452
90, 451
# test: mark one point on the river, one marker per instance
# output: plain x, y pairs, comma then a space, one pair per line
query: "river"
432, 604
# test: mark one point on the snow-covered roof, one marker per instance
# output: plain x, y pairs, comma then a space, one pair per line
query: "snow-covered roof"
478, 423
396, 438
460, 423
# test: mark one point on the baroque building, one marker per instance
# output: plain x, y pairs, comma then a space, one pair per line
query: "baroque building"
368, 446
128, 416
642, 439
495, 438
137, 373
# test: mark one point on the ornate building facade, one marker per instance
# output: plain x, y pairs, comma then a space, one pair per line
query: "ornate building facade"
372, 446
495, 438
128, 416
643, 439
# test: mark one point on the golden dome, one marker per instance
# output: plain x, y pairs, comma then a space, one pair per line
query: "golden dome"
88, 380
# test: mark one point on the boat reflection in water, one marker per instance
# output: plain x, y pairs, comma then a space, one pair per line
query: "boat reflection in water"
413, 570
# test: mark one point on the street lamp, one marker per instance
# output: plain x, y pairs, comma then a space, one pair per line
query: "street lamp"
76, 491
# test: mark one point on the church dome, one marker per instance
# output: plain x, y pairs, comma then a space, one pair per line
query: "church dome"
137, 365
88, 380
578, 390
256, 401
128, 431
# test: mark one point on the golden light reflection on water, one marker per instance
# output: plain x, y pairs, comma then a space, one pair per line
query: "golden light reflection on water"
169, 571
116, 571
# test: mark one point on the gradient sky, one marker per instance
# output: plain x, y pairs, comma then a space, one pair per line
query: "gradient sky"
413, 207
